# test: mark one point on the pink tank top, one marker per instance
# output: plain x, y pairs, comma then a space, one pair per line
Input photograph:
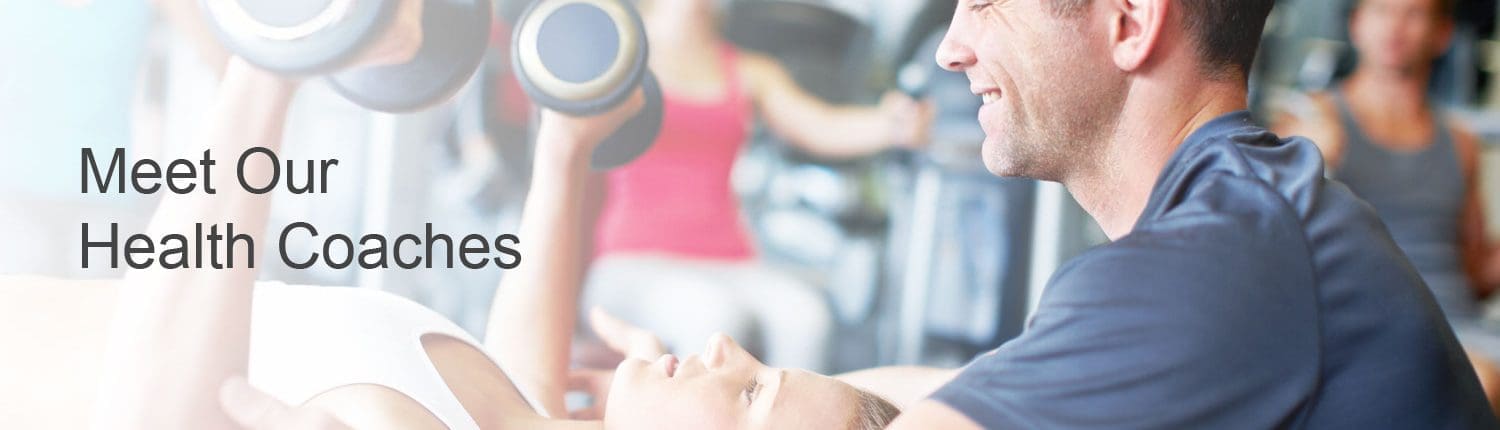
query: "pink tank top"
676, 198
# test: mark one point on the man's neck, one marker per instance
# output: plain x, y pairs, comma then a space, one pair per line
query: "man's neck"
1389, 94
1158, 115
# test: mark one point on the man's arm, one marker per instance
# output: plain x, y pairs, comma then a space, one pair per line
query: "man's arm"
932, 414
902, 385
1480, 256
908, 387
178, 333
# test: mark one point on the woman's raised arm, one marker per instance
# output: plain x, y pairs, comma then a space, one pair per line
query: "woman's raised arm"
535, 310
178, 334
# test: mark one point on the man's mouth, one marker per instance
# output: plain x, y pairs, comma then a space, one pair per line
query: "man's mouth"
990, 96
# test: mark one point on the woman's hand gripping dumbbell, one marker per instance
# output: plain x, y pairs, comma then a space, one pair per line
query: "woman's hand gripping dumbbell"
586, 58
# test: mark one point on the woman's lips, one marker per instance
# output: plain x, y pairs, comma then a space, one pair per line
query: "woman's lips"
668, 364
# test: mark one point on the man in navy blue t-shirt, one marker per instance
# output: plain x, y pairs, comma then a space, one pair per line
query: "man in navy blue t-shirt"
1241, 289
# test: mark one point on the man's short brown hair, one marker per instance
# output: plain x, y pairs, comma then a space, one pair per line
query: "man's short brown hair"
1227, 32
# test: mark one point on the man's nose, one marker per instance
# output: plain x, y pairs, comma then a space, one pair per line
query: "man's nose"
953, 55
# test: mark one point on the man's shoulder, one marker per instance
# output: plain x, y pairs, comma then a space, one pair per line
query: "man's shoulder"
1246, 172
1273, 191
1227, 226
1200, 259
1195, 244
1253, 178
1234, 210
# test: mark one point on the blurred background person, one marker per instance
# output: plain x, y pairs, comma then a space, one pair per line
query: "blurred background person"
671, 251
1381, 135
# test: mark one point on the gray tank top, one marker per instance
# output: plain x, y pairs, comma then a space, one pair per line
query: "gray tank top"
1420, 196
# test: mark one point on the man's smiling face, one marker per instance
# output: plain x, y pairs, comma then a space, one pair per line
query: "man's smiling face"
1051, 93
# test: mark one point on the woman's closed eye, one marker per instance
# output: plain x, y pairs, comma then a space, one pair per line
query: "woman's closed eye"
752, 390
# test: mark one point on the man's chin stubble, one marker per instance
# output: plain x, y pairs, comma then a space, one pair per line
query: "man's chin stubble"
1023, 161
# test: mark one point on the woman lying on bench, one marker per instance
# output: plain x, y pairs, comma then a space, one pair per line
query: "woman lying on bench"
180, 341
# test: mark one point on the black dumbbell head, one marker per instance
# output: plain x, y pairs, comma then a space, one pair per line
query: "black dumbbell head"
298, 37
580, 57
454, 36
635, 136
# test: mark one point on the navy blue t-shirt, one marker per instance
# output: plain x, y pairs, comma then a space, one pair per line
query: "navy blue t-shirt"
1252, 293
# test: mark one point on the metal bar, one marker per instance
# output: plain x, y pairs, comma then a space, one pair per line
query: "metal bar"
916, 285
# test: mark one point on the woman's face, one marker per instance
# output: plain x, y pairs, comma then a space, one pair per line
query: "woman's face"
724, 389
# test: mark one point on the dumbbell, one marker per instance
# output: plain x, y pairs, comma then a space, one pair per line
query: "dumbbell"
584, 57
914, 79
318, 37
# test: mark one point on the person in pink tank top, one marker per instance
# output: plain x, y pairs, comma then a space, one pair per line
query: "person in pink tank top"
671, 252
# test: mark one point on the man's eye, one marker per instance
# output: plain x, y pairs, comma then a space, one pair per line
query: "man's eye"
980, 4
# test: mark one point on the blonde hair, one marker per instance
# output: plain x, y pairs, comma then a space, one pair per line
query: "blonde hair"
871, 412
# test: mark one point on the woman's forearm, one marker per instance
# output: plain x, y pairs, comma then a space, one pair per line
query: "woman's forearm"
535, 309
178, 334
841, 132
828, 130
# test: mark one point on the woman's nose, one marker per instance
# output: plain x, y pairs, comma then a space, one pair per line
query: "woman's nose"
719, 348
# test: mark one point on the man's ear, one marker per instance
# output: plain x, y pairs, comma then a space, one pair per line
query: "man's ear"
1135, 30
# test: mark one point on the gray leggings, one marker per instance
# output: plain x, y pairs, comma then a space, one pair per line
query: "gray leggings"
785, 321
